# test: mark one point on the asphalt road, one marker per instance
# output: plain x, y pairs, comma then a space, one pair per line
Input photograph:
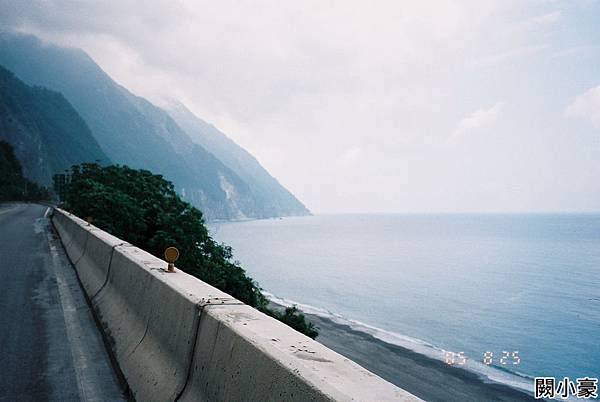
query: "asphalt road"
50, 346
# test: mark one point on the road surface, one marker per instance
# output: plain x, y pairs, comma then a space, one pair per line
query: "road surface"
50, 346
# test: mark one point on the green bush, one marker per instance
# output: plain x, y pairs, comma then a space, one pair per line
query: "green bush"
292, 317
144, 209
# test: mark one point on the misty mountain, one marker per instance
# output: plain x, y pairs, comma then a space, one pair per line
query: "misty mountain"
130, 130
46, 132
265, 187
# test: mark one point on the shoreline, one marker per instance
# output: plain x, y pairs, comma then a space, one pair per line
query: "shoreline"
427, 378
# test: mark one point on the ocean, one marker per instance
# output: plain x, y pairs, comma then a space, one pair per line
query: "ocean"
509, 297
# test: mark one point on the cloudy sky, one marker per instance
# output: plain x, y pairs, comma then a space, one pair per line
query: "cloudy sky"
362, 106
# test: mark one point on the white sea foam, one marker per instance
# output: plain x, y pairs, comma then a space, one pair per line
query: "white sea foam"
487, 373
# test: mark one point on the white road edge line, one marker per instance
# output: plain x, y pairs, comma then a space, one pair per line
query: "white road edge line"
8, 210
88, 390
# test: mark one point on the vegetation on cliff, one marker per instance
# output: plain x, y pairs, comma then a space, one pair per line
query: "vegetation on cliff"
144, 209
47, 133
13, 186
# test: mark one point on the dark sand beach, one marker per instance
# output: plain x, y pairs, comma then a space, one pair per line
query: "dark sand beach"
427, 378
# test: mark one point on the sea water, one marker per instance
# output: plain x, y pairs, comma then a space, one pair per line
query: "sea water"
517, 295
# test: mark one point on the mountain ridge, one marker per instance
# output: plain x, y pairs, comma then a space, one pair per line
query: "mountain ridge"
40, 124
236, 158
133, 131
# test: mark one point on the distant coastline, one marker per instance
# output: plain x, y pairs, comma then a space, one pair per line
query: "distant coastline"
249, 219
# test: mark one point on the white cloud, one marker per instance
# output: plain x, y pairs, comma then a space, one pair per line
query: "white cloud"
538, 22
586, 50
544, 19
478, 119
351, 97
507, 56
350, 156
586, 106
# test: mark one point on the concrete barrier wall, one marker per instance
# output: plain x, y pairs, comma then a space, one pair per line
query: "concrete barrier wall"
75, 233
177, 338
95, 262
242, 354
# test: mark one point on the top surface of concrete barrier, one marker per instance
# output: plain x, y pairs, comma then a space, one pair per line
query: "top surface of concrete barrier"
242, 354
178, 338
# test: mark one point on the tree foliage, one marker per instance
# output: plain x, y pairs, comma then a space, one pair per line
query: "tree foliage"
144, 209
13, 186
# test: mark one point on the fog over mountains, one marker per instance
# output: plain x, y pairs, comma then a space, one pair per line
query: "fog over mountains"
267, 190
47, 134
206, 167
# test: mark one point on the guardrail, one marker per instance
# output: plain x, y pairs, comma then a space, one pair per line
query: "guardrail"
176, 338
